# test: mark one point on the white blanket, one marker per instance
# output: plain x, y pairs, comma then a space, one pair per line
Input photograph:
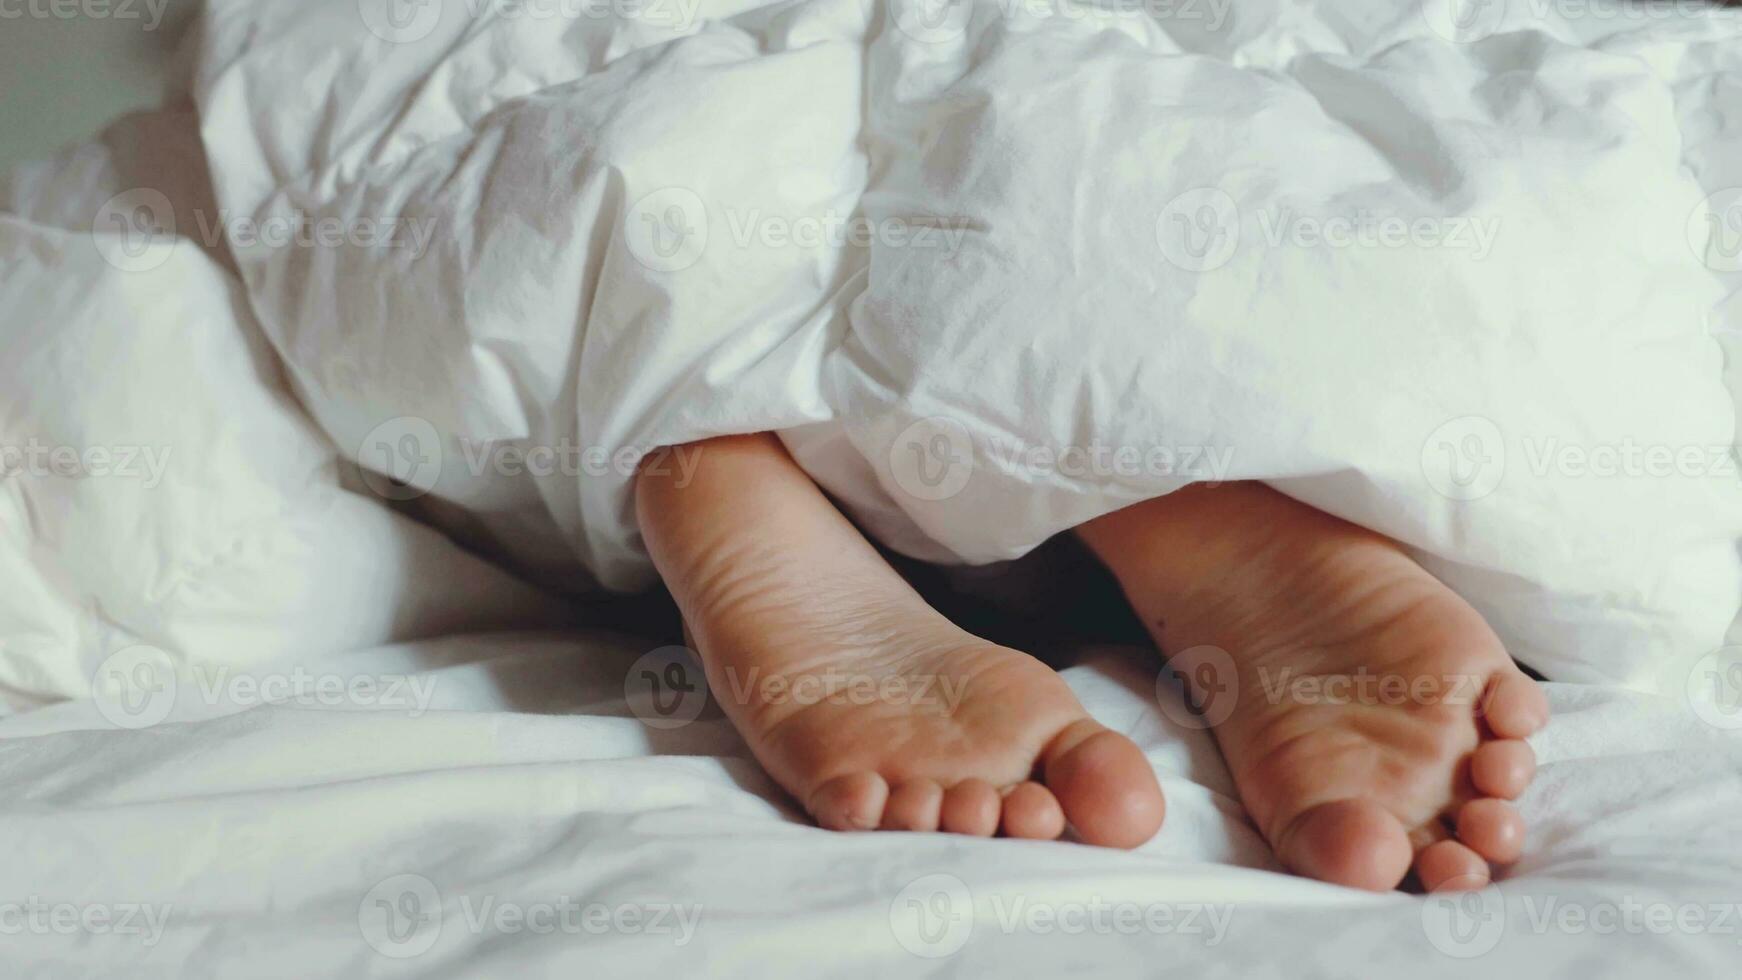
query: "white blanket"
494, 807
1453, 271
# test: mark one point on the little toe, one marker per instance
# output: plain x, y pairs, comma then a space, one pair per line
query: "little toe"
1502, 768
914, 805
1106, 787
1347, 842
970, 807
1450, 866
1031, 811
1515, 705
1492, 828
851, 802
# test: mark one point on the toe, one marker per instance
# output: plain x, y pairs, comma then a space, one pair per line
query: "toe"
1450, 866
914, 805
1502, 768
1105, 786
970, 807
1031, 811
1347, 842
1493, 829
851, 802
1515, 706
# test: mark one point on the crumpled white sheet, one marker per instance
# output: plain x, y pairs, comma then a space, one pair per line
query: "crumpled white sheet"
435, 822
998, 268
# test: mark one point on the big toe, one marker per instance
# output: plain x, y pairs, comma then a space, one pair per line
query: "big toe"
1347, 842
1106, 787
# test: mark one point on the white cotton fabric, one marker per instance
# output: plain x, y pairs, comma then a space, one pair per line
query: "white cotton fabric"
1455, 272
475, 785
160, 489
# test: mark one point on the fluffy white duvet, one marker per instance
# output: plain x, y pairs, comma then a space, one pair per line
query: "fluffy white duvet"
1465, 273
997, 268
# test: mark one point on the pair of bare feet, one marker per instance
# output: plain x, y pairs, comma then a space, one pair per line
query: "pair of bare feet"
1373, 722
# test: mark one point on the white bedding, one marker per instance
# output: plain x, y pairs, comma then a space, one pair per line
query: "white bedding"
1001, 267
258, 834
498, 775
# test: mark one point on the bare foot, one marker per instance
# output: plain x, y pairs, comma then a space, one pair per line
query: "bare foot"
1373, 722
866, 705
